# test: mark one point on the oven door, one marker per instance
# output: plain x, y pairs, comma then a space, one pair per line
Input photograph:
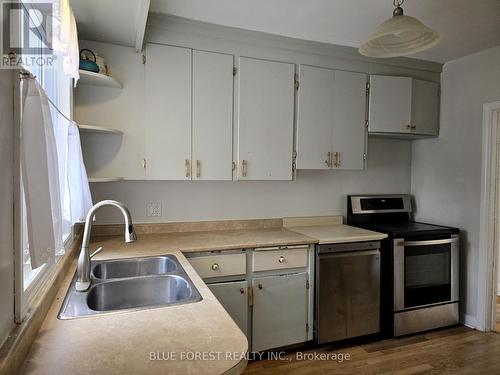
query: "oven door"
425, 272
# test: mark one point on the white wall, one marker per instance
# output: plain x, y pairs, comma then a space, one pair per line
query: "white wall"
446, 172
6, 205
313, 193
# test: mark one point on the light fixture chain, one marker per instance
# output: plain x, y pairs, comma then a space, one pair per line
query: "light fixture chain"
398, 3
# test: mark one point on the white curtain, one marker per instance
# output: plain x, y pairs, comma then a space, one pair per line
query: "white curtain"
40, 174
62, 33
77, 181
65, 38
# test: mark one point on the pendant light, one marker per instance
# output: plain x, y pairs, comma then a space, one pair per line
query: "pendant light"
399, 36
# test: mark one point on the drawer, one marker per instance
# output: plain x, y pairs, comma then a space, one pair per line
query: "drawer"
219, 265
268, 260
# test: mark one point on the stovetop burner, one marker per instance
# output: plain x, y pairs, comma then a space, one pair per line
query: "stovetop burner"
390, 214
410, 228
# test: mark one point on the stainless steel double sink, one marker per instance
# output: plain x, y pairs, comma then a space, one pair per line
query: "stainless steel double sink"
130, 284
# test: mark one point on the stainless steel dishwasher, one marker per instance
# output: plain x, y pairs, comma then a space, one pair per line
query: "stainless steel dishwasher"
347, 291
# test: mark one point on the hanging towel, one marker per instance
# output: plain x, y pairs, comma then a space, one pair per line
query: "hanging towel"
39, 171
77, 180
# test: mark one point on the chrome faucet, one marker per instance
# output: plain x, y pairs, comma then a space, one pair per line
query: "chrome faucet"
83, 267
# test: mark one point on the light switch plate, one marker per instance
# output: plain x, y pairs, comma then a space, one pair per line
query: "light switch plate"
154, 209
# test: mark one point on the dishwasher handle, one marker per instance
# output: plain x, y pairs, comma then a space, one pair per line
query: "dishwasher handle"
350, 254
348, 247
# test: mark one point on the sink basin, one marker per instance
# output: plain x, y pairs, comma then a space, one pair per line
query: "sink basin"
138, 292
130, 284
118, 269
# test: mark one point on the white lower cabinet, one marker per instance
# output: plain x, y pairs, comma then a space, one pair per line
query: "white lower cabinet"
233, 296
272, 303
280, 307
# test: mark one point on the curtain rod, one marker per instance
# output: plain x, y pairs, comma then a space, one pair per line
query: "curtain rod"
24, 74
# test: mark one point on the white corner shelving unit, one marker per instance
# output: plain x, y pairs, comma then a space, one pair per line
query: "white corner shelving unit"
98, 129
97, 79
101, 80
105, 179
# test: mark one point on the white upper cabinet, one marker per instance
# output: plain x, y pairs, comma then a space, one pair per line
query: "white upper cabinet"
390, 104
265, 119
212, 116
349, 121
168, 113
403, 105
425, 107
331, 125
315, 117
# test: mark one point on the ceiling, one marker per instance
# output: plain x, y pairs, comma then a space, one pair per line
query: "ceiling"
466, 26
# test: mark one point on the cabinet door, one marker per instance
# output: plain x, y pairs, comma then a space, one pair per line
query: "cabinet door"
315, 117
425, 107
212, 116
233, 296
279, 311
390, 104
349, 120
265, 120
168, 113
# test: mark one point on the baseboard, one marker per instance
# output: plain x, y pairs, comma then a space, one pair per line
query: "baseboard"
468, 320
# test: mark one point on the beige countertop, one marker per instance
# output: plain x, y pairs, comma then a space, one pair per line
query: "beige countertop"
121, 343
338, 233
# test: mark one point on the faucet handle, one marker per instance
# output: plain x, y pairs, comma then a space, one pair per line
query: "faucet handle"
98, 250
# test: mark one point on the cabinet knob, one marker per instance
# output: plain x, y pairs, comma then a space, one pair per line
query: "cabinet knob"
408, 126
281, 259
242, 291
259, 286
215, 267
414, 127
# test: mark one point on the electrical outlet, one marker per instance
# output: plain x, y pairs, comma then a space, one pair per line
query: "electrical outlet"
154, 209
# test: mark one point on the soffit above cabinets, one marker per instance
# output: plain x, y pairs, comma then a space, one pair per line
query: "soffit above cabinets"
120, 22
466, 26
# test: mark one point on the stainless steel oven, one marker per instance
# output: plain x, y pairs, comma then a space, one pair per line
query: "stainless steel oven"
425, 283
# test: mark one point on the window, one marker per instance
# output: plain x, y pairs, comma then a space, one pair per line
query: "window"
58, 89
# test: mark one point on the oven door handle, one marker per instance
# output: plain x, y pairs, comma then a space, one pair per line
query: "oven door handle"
430, 242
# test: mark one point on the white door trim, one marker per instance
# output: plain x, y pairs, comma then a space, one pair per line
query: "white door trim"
489, 234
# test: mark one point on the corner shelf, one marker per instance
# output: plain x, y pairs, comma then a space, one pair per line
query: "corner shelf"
105, 179
97, 79
98, 129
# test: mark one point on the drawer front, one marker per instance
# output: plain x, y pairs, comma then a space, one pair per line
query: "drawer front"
268, 260
219, 265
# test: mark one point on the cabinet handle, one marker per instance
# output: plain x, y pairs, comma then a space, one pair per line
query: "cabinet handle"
250, 296
408, 126
242, 291
328, 160
413, 127
281, 259
243, 168
215, 267
187, 169
259, 286
198, 168
336, 164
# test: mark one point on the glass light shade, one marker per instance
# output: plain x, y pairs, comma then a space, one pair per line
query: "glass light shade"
399, 36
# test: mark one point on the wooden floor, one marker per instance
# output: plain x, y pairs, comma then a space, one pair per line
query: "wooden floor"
456, 350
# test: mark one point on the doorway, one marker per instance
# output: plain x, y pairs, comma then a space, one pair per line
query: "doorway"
488, 307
